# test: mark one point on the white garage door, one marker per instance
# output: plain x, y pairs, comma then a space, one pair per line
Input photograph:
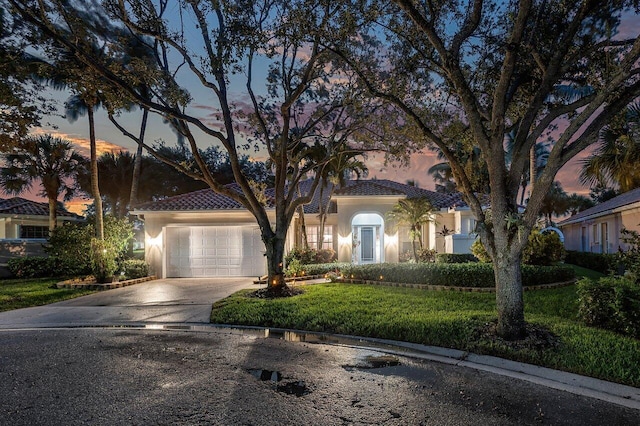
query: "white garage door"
214, 251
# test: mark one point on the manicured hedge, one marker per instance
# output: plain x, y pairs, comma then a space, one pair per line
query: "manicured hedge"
34, 267
453, 274
135, 268
603, 263
455, 258
612, 303
323, 268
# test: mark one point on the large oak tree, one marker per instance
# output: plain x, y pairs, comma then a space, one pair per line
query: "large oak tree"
480, 70
275, 88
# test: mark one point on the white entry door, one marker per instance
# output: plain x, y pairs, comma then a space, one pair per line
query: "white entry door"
214, 251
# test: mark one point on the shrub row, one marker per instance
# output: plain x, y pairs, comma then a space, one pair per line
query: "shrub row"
34, 267
135, 268
612, 303
309, 255
603, 263
455, 258
453, 274
42, 267
541, 249
316, 268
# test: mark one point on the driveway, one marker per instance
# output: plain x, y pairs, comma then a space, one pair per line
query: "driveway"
175, 300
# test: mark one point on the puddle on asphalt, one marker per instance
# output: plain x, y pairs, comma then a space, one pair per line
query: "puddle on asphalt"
370, 362
381, 361
294, 387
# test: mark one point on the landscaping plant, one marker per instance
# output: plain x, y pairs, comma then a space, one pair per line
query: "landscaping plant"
543, 248
612, 303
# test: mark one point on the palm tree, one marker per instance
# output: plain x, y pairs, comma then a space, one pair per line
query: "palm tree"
341, 165
616, 161
555, 203
50, 160
86, 102
443, 177
115, 174
414, 213
578, 203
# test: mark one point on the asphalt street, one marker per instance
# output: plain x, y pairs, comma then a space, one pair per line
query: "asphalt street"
145, 377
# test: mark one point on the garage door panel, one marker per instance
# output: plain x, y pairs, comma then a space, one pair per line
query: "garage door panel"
207, 251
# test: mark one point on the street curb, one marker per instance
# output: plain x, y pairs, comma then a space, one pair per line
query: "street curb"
615, 393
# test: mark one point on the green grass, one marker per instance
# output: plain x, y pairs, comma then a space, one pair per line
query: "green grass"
443, 318
588, 273
24, 293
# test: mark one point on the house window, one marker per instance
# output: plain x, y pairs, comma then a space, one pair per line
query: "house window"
312, 236
33, 232
604, 233
594, 234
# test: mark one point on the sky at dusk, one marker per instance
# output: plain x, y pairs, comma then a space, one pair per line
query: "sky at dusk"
109, 139
204, 105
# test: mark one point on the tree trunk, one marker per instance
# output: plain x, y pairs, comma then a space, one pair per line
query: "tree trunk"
532, 167
135, 179
413, 245
324, 213
303, 225
52, 214
94, 175
275, 255
509, 301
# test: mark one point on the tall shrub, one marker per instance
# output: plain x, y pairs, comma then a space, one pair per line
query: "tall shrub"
71, 245
612, 303
543, 248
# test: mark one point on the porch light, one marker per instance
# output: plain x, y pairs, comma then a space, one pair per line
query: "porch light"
391, 240
154, 241
344, 241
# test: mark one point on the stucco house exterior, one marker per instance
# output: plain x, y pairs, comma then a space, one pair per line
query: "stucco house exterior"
24, 227
597, 229
203, 233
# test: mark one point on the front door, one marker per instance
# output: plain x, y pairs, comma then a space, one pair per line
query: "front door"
367, 248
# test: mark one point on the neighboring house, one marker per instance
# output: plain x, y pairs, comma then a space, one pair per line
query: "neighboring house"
202, 233
597, 229
24, 226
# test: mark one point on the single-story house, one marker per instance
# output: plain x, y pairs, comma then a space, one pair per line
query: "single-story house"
202, 233
24, 227
597, 229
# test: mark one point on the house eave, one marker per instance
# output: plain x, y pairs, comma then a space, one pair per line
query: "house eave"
203, 211
583, 219
38, 217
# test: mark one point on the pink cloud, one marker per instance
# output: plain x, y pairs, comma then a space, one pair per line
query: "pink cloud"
83, 144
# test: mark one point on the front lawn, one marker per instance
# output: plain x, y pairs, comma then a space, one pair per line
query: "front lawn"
443, 318
24, 293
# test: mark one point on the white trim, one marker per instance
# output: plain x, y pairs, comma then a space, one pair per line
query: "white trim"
620, 209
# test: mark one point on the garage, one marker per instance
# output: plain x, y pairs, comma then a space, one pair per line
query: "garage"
214, 251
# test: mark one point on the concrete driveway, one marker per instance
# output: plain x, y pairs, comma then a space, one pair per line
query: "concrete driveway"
175, 300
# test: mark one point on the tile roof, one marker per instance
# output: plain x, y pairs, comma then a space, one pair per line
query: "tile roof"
207, 199
621, 200
204, 199
388, 187
21, 206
